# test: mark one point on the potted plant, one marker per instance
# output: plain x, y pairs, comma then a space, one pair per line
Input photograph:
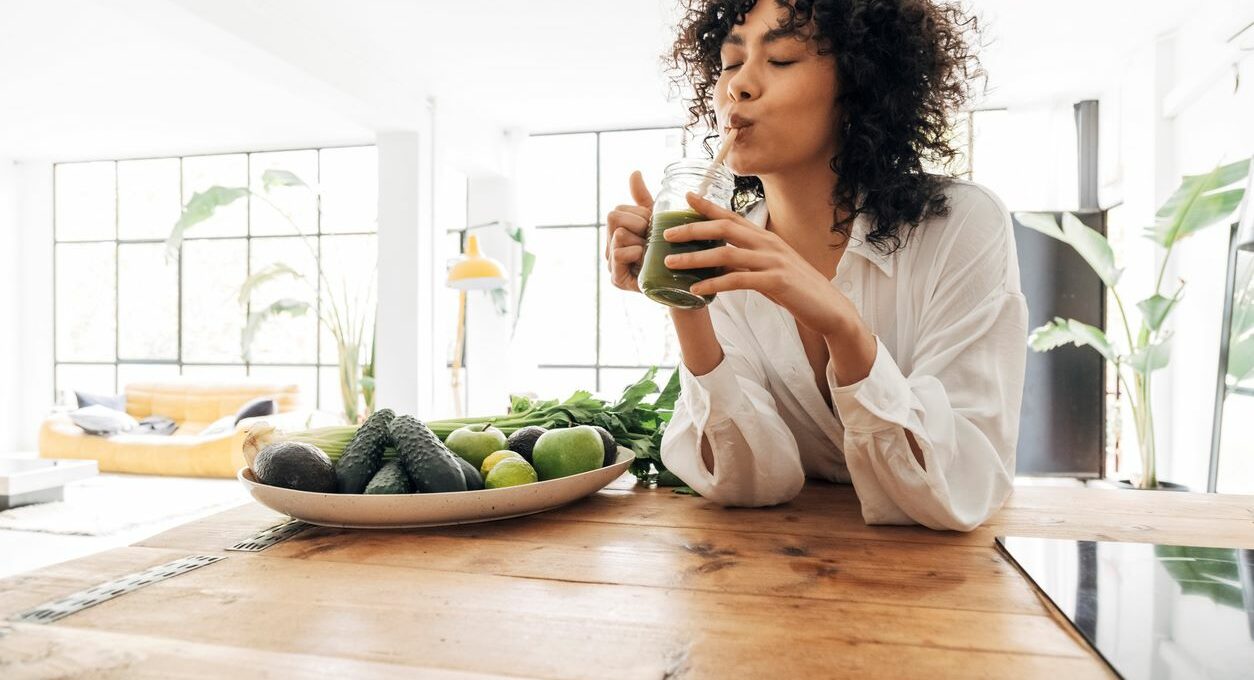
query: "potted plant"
1199, 202
346, 317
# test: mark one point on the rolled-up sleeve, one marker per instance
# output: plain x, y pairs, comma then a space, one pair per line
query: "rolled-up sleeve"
756, 460
960, 400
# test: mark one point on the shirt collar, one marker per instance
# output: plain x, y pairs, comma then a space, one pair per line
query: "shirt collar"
858, 244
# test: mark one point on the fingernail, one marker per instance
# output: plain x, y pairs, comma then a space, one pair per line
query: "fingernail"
667, 233
671, 260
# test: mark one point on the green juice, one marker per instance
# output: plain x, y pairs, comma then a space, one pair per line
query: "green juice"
671, 286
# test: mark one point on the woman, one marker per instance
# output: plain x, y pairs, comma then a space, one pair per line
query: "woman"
869, 327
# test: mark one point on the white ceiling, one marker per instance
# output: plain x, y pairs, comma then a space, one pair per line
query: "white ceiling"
83, 79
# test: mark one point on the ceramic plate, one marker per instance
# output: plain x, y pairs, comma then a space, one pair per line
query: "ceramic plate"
395, 511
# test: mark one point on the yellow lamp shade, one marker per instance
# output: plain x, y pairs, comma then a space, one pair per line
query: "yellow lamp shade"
475, 271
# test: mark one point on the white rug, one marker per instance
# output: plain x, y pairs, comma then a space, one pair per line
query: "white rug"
108, 504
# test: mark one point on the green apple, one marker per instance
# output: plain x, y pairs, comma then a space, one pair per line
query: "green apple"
569, 451
476, 442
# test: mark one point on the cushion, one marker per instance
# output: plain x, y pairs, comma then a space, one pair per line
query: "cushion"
158, 425
261, 406
97, 419
115, 402
221, 426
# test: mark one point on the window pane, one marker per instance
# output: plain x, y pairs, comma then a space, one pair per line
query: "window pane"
130, 374
85, 200
214, 373
285, 339
558, 315
329, 397
348, 264
648, 151
306, 378
202, 172
615, 380
212, 317
559, 179
1236, 458
350, 189
93, 379
85, 302
559, 383
147, 302
635, 331
148, 198
300, 203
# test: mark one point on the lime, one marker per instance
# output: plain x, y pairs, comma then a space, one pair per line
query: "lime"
494, 458
570, 451
510, 472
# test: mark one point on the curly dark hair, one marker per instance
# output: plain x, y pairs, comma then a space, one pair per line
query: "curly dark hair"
903, 67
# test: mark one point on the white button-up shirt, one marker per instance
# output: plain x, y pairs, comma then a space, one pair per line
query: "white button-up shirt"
951, 327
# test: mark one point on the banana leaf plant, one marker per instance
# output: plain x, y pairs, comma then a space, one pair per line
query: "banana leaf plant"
1199, 202
347, 317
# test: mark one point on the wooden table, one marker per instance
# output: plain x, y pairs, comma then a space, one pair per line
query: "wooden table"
627, 583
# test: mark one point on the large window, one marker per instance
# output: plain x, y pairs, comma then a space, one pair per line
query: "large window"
125, 312
584, 332
587, 333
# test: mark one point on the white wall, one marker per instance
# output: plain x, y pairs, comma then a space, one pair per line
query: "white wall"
27, 373
9, 331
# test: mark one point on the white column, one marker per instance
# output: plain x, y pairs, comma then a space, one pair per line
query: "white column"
9, 259
403, 367
30, 367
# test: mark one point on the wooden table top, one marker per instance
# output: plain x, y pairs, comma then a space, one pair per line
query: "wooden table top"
626, 583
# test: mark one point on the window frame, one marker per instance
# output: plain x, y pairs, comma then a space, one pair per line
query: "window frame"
247, 237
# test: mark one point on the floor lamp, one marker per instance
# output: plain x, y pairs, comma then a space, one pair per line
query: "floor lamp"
471, 271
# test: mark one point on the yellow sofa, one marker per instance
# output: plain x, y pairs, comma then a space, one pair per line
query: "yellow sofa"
193, 405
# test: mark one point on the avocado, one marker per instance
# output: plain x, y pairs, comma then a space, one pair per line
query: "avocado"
294, 465
523, 441
390, 479
474, 480
611, 446
364, 454
430, 465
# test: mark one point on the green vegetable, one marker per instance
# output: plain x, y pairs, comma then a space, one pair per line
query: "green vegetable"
430, 465
363, 457
390, 479
633, 422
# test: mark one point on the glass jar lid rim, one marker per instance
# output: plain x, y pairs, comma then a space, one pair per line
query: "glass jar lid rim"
699, 166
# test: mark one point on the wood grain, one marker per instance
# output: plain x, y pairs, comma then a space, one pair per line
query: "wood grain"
627, 583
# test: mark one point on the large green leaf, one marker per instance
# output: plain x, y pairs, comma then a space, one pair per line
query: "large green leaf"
670, 394
1061, 331
634, 394
1093, 247
271, 272
1199, 201
281, 307
1151, 357
199, 208
1087, 242
1042, 222
281, 178
1154, 310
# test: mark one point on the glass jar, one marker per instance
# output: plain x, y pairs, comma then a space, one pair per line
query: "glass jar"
670, 208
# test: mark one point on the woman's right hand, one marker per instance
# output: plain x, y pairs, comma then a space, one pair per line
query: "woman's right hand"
627, 229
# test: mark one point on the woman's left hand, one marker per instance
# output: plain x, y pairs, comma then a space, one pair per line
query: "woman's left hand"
756, 259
